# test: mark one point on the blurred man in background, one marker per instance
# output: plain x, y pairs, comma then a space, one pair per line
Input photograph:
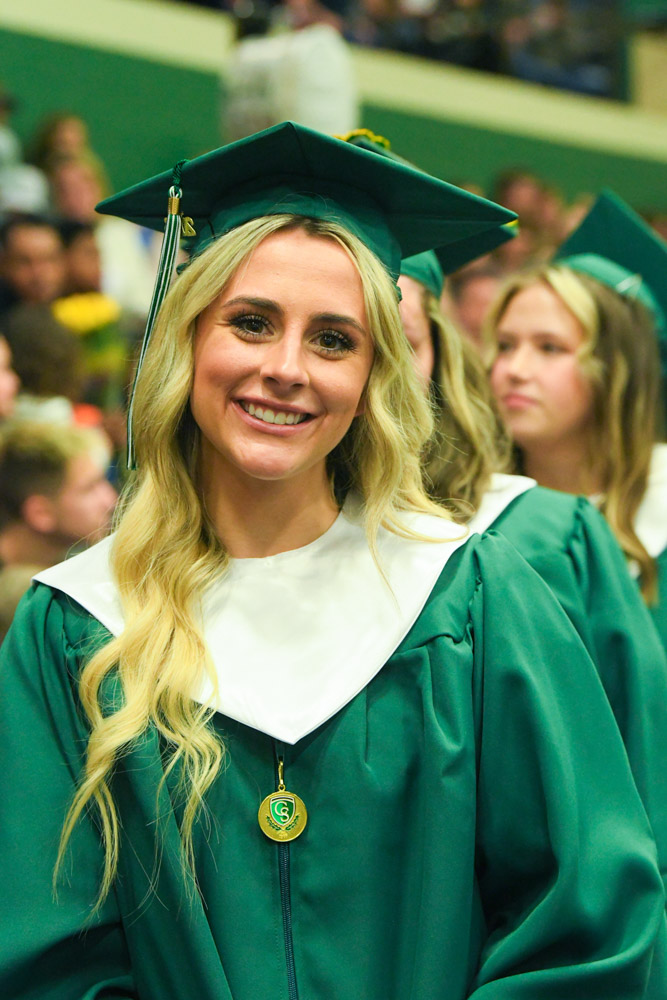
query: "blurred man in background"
53, 492
32, 262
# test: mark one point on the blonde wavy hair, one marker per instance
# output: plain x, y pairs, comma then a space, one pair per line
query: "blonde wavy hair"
166, 552
469, 442
619, 356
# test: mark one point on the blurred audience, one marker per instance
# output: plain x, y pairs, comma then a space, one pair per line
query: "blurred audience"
9, 382
54, 500
470, 293
10, 144
461, 32
47, 358
53, 492
62, 135
23, 188
108, 335
32, 262
83, 261
296, 67
521, 191
571, 44
127, 267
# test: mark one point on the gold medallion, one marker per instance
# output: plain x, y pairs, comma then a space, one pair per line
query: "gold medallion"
282, 815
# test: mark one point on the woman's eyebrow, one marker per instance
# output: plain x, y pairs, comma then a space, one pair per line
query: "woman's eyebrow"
251, 301
339, 318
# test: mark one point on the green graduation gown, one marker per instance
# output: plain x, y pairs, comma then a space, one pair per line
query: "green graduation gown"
474, 830
651, 527
572, 548
659, 609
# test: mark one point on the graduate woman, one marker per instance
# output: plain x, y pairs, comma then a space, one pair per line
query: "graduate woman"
561, 536
291, 733
577, 377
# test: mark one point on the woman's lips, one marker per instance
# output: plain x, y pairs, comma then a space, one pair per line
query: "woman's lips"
517, 401
282, 429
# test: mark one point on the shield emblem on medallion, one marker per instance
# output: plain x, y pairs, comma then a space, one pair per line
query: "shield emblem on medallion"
282, 809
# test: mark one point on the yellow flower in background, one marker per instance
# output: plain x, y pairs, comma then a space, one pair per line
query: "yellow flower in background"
86, 311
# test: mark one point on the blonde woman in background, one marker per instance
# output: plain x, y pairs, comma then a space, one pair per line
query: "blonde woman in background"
295, 732
576, 372
562, 537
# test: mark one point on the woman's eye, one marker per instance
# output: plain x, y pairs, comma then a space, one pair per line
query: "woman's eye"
250, 324
503, 346
334, 342
551, 348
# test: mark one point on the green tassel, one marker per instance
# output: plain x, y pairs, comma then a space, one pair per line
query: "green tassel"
170, 244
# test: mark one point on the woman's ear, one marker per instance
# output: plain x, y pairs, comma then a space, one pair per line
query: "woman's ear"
38, 512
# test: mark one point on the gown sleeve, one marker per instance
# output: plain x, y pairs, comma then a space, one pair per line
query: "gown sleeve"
659, 610
566, 862
49, 949
630, 658
570, 545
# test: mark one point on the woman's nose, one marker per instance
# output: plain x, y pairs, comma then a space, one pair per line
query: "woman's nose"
518, 362
285, 362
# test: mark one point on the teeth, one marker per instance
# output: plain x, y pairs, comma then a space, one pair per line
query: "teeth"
269, 417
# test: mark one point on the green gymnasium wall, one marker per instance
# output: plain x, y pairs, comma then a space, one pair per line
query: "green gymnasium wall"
144, 115
463, 153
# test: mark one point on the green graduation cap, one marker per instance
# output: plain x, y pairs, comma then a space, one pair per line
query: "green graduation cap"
614, 245
425, 268
455, 253
395, 209
428, 268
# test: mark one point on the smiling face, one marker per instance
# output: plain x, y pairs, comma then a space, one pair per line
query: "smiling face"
281, 361
543, 395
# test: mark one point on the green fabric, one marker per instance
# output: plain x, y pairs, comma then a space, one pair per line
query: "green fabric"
659, 610
620, 279
615, 246
450, 255
394, 208
612, 233
425, 268
460, 841
573, 549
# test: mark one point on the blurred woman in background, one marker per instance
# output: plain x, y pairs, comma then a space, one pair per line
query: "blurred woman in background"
576, 373
562, 537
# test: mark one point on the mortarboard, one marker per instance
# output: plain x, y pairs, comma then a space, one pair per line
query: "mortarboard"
430, 267
454, 253
616, 247
394, 208
425, 268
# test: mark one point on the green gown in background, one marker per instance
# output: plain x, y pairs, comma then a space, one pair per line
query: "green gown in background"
573, 549
659, 609
474, 830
